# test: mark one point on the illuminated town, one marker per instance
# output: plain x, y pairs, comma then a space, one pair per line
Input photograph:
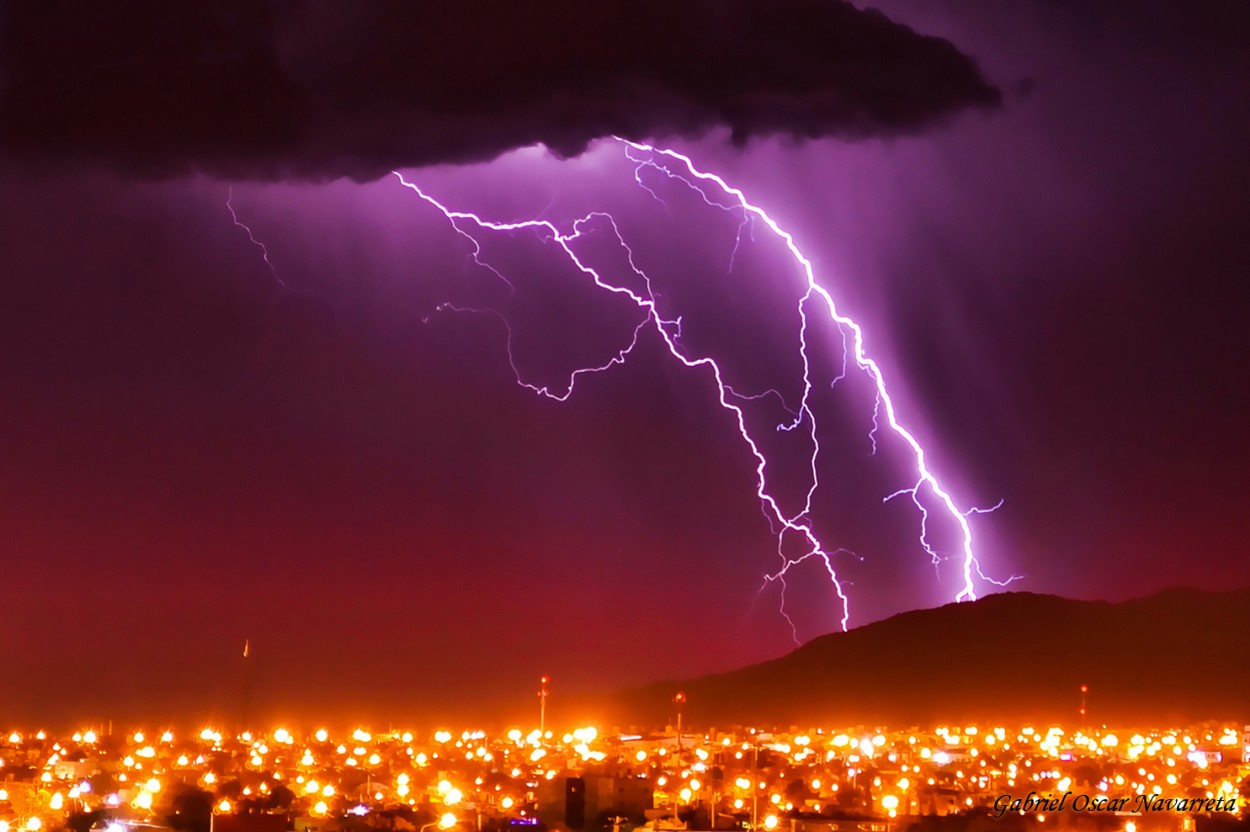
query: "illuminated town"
818, 779
827, 393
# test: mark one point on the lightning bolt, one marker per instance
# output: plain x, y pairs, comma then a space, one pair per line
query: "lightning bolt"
264, 250
970, 565
926, 492
717, 193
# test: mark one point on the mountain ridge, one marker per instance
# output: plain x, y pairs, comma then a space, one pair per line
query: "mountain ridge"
1182, 654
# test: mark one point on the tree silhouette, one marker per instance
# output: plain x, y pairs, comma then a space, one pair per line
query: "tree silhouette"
188, 808
83, 821
280, 798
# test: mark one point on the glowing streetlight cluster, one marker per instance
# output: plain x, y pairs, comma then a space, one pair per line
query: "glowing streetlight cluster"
754, 777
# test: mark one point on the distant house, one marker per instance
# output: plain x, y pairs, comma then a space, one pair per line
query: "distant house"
800, 824
940, 801
250, 823
73, 770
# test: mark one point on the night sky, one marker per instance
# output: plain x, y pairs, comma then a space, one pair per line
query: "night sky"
1038, 211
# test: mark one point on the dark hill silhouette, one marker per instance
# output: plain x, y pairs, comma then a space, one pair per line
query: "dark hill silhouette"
1181, 655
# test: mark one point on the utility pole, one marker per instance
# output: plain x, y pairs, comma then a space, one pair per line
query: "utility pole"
680, 701
247, 685
716, 758
755, 784
542, 704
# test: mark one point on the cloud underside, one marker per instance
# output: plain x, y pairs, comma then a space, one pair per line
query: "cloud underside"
321, 90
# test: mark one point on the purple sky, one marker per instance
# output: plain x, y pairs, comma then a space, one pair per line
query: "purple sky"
194, 454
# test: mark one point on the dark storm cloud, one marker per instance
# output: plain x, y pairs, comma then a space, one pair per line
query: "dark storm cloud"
327, 89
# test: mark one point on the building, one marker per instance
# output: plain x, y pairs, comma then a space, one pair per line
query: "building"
581, 803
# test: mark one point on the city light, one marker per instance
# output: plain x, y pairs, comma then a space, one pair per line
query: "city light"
884, 774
